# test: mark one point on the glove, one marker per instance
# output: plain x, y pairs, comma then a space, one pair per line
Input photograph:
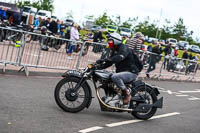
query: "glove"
100, 61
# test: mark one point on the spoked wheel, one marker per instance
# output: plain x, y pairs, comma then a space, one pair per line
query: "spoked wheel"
69, 100
147, 97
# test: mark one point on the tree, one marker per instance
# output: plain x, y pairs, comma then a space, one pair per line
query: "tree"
180, 30
104, 20
118, 21
128, 23
146, 27
89, 17
69, 15
47, 5
166, 30
40, 4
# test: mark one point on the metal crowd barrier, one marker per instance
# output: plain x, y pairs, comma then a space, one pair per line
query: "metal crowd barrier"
36, 54
10, 52
31, 53
175, 68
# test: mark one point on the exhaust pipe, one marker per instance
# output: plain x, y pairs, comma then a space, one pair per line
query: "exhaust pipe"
144, 108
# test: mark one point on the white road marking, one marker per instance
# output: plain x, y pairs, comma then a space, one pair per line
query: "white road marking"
135, 121
169, 92
181, 95
193, 98
197, 91
90, 129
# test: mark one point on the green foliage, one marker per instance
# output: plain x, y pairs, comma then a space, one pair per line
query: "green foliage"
104, 20
180, 30
146, 28
69, 15
40, 4
47, 5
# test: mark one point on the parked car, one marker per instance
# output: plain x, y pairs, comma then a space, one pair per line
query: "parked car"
95, 28
152, 40
111, 28
182, 45
125, 32
54, 18
162, 42
27, 10
194, 48
172, 41
43, 14
69, 22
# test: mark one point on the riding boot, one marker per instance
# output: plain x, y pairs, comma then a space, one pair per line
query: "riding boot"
127, 96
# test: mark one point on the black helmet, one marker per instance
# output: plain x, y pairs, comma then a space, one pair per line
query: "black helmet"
117, 39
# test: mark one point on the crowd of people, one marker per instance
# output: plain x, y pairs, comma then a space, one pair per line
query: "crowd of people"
58, 28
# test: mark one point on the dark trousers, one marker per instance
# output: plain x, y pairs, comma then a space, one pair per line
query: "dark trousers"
152, 66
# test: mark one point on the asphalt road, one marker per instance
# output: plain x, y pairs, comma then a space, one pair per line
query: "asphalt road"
27, 106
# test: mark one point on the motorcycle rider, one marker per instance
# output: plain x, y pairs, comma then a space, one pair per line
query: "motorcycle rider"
122, 57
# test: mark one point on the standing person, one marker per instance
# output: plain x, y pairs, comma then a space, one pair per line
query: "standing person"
124, 39
53, 27
98, 37
154, 58
46, 23
3, 14
62, 25
176, 52
185, 56
74, 36
190, 56
136, 42
16, 18
149, 48
37, 22
58, 26
167, 52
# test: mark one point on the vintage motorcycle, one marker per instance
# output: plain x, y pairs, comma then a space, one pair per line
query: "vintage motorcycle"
73, 93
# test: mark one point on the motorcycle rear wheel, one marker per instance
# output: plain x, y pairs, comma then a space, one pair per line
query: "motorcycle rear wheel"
151, 94
64, 95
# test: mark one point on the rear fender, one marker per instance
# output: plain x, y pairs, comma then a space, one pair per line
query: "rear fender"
153, 88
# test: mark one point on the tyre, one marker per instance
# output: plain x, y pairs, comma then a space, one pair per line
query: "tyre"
67, 99
150, 98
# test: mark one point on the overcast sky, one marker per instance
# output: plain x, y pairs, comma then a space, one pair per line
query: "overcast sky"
172, 9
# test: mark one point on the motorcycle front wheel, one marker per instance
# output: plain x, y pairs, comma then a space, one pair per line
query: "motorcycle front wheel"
69, 100
149, 97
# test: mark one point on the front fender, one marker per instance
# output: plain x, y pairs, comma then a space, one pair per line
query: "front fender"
78, 74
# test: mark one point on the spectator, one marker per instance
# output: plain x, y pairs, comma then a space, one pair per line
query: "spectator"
185, 56
167, 51
190, 56
136, 42
154, 58
62, 26
58, 26
62, 33
149, 48
46, 23
3, 14
176, 52
53, 27
98, 37
37, 22
124, 39
74, 35
16, 18
10, 20
196, 58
